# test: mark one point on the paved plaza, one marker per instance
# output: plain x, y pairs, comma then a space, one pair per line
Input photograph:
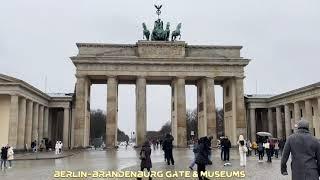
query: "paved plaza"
127, 159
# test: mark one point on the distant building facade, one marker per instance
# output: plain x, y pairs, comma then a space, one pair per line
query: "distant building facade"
278, 114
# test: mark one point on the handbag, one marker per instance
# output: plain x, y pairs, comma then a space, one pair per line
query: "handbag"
142, 155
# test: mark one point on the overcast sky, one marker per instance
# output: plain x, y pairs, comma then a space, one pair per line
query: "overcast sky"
282, 38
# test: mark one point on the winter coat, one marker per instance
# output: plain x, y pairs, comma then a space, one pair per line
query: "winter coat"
305, 156
227, 144
167, 144
196, 148
10, 153
146, 162
204, 151
260, 146
4, 153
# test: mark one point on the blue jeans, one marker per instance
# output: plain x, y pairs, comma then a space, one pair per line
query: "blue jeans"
194, 160
4, 162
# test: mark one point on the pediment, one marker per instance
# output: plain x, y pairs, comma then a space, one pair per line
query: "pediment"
7, 79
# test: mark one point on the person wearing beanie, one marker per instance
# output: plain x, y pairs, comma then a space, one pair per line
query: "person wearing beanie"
305, 154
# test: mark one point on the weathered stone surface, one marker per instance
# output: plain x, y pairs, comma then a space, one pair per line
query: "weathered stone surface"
112, 115
141, 111
22, 123
161, 49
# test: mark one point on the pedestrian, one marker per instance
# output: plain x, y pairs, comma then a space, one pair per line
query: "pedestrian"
248, 144
167, 148
195, 152
305, 154
34, 146
227, 146
242, 151
268, 150
260, 151
210, 146
145, 157
42, 146
222, 143
202, 158
10, 155
60, 147
255, 147
281, 145
56, 147
4, 157
276, 149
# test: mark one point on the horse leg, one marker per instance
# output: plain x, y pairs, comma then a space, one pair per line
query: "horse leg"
180, 37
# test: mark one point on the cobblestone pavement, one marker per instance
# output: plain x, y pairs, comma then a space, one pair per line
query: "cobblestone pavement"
123, 159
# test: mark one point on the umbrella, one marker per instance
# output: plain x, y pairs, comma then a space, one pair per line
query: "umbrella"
264, 134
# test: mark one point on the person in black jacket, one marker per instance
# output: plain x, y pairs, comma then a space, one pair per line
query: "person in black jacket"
145, 154
222, 148
4, 156
226, 149
202, 158
167, 148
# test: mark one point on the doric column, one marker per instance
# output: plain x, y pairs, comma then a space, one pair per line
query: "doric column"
35, 122
296, 112
22, 123
241, 126
201, 107
46, 123
287, 120
141, 111
28, 132
66, 120
211, 110
82, 112
181, 113
270, 122
13, 121
174, 111
279, 122
40, 125
308, 107
112, 108
253, 124
206, 109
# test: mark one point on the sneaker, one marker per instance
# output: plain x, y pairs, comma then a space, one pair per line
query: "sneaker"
9, 167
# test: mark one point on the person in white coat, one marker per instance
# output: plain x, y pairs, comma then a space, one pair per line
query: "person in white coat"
10, 156
242, 151
60, 147
57, 148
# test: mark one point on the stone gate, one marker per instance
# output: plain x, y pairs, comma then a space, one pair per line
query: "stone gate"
173, 63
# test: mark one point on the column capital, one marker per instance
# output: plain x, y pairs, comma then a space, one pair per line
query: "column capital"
80, 76
141, 77
180, 77
307, 100
210, 77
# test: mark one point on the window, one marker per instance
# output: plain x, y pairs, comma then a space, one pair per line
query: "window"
291, 115
200, 92
312, 111
172, 91
227, 91
301, 115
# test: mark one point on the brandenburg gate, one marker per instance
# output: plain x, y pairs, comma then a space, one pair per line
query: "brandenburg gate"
173, 63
